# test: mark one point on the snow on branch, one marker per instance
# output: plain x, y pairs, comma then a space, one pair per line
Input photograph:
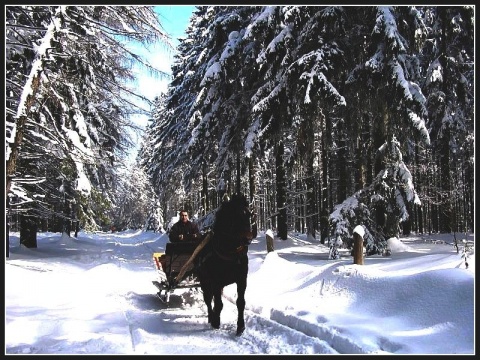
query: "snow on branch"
407, 180
263, 105
419, 124
272, 47
212, 73
265, 16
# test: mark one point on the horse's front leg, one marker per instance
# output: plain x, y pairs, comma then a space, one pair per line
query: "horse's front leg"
241, 288
217, 308
207, 297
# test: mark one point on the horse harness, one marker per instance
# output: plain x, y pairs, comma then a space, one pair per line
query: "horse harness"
234, 255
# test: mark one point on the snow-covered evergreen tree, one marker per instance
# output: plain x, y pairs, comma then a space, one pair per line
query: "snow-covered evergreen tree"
69, 103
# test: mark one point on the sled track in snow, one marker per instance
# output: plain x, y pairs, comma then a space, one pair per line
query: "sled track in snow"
260, 336
277, 333
305, 337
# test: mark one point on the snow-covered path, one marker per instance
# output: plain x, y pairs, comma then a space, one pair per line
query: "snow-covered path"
183, 325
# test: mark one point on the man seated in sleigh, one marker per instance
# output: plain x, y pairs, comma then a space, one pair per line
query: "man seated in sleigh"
184, 237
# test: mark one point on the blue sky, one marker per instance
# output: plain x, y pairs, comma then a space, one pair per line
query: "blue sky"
175, 18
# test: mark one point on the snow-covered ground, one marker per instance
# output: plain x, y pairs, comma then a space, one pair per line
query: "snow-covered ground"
94, 295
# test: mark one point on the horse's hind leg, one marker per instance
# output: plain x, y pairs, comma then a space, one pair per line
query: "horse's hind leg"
217, 308
241, 288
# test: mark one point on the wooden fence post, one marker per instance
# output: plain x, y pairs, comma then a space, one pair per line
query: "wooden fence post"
269, 240
358, 233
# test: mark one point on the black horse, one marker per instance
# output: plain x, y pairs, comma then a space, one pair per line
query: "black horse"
225, 260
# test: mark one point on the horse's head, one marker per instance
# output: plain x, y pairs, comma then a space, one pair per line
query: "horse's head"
235, 224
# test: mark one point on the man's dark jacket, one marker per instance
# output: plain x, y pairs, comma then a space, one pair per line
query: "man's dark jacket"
187, 229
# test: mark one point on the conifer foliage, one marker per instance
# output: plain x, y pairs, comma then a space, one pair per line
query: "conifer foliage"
334, 106
329, 117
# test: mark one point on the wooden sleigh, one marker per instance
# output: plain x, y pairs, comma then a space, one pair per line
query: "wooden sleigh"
177, 267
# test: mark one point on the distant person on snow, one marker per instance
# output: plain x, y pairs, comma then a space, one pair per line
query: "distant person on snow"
184, 229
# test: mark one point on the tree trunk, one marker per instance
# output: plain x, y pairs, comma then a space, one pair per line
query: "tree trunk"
407, 224
324, 226
445, 225
205, 202
239, 175
67, 221
311, 203
308, 205
445, 183
253, 205
251, 178
325, 198
342, 164
21, 121
28, 231
281, 193
28, 97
